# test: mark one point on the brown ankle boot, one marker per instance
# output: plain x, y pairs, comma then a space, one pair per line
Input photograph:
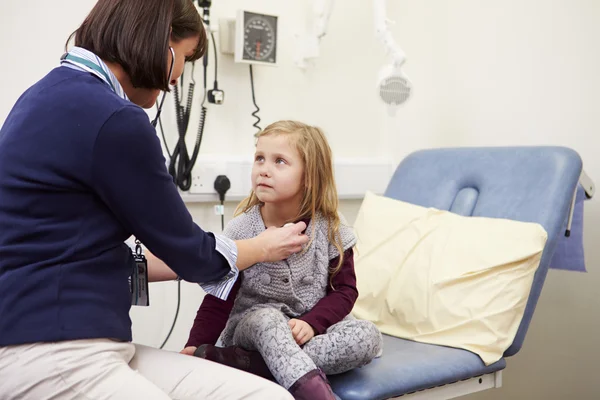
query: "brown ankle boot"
236, 357
312, 386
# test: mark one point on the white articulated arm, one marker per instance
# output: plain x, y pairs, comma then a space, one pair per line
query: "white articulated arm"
382, 32
308, 44
322, 11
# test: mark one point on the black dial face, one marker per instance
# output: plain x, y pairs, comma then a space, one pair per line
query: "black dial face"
260, 35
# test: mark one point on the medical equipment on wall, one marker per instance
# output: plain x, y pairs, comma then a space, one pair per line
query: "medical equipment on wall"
393, 85
252, 38
181, 163
308, 44
256, 38
255, 43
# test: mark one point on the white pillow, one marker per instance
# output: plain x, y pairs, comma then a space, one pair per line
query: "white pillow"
437, 277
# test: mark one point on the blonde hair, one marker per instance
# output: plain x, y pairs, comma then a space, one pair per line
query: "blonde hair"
320, 194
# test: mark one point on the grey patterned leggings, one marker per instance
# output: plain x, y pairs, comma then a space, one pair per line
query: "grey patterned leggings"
346, 345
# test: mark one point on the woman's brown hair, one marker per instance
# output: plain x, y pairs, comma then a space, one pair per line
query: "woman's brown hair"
135, 34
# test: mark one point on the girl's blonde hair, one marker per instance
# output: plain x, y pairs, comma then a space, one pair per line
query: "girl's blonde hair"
320, 194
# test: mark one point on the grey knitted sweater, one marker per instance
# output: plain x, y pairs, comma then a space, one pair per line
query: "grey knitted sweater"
293, 286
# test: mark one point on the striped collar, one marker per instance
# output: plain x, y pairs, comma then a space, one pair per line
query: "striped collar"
84, 60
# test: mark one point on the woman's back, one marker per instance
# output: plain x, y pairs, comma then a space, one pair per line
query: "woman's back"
54, 157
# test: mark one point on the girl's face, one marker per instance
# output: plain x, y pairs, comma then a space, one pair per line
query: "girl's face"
278, 171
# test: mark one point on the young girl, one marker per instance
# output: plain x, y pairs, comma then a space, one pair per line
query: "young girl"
293, 314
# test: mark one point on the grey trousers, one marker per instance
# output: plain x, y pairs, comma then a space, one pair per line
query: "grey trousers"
346, 345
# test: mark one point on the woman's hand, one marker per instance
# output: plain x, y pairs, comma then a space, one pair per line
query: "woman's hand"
189, 350
301, 331
280, 243
274, 244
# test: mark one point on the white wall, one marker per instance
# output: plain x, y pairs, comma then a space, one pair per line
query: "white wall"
484, 73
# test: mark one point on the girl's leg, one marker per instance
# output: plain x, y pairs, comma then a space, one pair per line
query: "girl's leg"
266, 330
346, 345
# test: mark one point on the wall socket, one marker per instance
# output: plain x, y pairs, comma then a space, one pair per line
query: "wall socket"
206, 170
203, 178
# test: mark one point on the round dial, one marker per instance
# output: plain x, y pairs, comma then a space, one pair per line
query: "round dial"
259, 39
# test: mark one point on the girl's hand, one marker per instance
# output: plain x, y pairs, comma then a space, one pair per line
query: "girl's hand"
280, 243
189, 350
302, 331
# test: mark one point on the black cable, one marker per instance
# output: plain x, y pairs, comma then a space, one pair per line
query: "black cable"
162, 132
212, 35
222, 217
179, 98
215, 95
181, 164
222, 185
205, 64
176, 314
255, 113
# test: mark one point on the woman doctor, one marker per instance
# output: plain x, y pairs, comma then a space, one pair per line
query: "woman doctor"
81, 170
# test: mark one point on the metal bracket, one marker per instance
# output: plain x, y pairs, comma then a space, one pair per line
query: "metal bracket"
589, 188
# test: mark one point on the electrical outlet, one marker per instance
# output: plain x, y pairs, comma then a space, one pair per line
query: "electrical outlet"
237, 169
203, 177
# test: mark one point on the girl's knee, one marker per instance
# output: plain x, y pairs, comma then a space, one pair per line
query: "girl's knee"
264, 317
367, 329
372, 335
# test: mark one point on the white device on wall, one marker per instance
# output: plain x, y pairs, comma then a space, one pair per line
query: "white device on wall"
393, 85
308, 44
256, 38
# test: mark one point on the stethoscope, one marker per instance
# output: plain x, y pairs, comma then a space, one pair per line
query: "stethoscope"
155, 121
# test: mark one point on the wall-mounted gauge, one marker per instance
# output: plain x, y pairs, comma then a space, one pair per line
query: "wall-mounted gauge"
256, 38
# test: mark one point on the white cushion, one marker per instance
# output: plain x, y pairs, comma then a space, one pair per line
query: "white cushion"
437, 277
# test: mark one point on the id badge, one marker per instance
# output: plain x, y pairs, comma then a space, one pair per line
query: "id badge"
138, 281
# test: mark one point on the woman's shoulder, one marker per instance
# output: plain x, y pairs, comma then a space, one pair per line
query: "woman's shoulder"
90, 91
